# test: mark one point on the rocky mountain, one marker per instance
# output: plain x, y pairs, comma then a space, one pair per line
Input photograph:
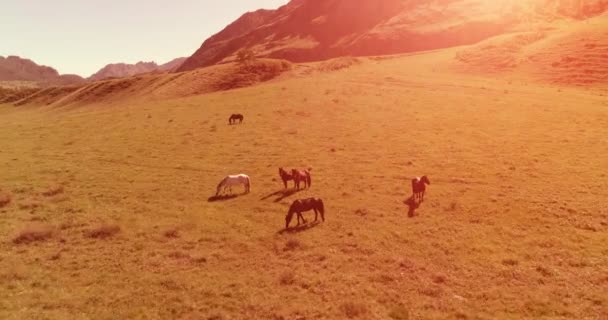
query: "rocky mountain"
121, 70
14, 68
308, 30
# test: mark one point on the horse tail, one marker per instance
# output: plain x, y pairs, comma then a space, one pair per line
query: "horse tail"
248, 184
308, 179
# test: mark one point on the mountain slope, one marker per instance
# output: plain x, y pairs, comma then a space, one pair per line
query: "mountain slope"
14, 68
309, 30
121, 70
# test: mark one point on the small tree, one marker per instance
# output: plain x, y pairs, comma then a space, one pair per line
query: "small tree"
245, 56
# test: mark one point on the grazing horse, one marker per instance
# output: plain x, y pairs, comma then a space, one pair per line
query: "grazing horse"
301, 176
302, 205
230, 181
236, 117
285, 176
419, 186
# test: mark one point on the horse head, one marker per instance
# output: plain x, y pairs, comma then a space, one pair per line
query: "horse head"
425, 179
321, 207
288, 218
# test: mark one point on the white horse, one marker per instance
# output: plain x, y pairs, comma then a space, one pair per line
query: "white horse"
230, 181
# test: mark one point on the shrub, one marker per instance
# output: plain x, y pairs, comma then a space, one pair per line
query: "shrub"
5, 199
53, 190
33, 233
399, 313
171, 233
104, 231
292, 244
353, 310
287, 278
245, 56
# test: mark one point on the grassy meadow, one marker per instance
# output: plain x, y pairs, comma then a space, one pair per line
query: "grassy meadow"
106, 211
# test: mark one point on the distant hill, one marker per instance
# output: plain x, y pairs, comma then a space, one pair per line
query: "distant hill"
14, 68
121, 70
310, 30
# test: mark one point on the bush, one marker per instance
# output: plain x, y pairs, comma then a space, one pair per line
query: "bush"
353, 310
245, 56
292, 244
399, 313
33, 234
5, 199
287, 278
53, 190
104, 231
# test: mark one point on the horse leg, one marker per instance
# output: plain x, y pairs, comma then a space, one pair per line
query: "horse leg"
316, 215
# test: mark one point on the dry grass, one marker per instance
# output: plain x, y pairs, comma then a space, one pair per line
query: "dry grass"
171, 233
527, 243
354, 310
33, 233
399, 313
287, 278
5, 199
53, 190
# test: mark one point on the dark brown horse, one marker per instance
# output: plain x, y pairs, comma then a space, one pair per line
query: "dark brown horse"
285, 176
303, 205
419, 186
301, 176
236, 117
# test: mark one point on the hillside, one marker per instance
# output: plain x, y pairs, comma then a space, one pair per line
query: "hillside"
309, 30
150, 86
106, 212
566, 53
121, 70
13, 68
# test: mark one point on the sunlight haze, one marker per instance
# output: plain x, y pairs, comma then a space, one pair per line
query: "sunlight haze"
81, 37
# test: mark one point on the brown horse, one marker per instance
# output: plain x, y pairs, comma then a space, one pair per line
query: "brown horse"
236, 117
285, 176
419, 186
301, 176
302, 205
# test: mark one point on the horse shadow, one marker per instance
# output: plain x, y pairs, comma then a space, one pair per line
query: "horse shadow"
412, 205
300, 228
282, 194
222, 198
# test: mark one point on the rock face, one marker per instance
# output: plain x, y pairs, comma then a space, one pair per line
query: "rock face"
121, 70
308, 30
172, 65
13, 68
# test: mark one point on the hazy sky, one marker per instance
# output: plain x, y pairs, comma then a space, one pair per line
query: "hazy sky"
82, 36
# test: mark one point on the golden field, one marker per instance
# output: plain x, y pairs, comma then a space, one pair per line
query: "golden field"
109, 215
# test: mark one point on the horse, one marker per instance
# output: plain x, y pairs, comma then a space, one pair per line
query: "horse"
419, 186
301, 176
230, 181
302, 205
285, 176
236, 117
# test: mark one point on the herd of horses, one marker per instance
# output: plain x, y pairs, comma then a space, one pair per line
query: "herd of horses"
302, 178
